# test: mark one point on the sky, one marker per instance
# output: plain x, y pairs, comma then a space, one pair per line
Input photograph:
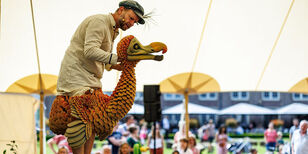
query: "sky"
237, 41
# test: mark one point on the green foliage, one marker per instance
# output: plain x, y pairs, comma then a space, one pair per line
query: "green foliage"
252, 135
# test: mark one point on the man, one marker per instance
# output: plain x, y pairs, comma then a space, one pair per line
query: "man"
123, 129
166, 126
84, 61
293, 128
115, 140
299, 140
210, 128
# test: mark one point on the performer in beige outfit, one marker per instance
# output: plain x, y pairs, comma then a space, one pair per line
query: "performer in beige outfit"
83, 66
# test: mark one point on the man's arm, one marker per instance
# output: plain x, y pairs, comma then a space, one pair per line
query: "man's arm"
290, 133
95, 34
115, 141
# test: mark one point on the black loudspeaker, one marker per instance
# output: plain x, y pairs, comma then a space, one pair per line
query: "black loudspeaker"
151, 99
151, 93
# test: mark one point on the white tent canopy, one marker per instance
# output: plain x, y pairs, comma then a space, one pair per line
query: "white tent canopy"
136, 109
192, 109
244, 108
294, 108
237, 42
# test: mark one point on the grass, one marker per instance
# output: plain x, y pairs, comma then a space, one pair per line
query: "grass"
99, 144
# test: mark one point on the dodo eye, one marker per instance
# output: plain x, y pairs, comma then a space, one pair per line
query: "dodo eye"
136, 46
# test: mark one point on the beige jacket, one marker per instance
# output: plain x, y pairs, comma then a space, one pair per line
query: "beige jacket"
90, 49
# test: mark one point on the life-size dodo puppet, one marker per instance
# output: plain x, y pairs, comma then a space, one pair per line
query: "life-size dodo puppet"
79, 117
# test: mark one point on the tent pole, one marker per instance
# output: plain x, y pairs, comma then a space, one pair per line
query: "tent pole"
42, 137
186, 114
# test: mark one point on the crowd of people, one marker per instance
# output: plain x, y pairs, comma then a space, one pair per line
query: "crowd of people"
298, 139
131, 137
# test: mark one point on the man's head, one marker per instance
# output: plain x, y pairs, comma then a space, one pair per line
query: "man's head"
295, 122
129, 120
210, 121
128, 13
303, 126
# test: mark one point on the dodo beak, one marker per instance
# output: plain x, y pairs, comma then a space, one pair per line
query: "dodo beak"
136, 51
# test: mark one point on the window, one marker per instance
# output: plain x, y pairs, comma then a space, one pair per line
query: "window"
239, 96
208, 96
300, 97
173, 97
271, 96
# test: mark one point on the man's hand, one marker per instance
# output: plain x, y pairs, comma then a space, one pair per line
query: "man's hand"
117, 67
119, 59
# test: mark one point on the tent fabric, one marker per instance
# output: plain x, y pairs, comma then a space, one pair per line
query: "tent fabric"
192, 109
136, 109
294, 108
237, 41
17, 122
247, 109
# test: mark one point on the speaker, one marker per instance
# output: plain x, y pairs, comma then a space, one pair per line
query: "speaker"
152, 105
151, 93
152, 112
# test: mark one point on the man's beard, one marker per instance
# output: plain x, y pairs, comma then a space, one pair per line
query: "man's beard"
122, 24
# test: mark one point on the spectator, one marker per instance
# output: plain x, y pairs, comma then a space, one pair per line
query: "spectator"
239, 130
166, 126
133, 138
209, 134
63, 150
280, 142
202, 134
176, 152
115, 140
143, 133
184, 149
192, 143
123, 129
105, 150
270, 137
251, 127
60, 141
159, 141
299, 140
293, 128
259, 129
221, 140
179, 135
124, 148
211, 130
253, 151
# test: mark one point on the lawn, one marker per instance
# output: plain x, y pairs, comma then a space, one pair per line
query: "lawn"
98, 145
